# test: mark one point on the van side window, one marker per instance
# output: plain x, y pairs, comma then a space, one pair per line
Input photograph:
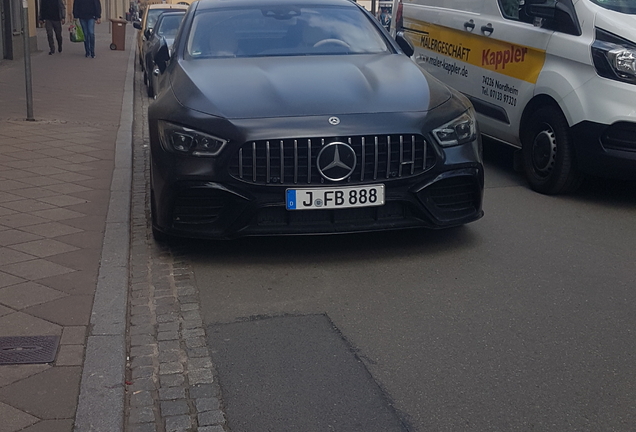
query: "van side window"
509, 9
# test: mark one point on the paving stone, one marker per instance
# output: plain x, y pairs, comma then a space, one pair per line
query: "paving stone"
141, 340
143, 427
190, 333
73, 335
142, 361
173, 380
174, 407
189, 306
172, 326
200, 376
169, 356
170, 335
199, 363
142, 350
146, 383
170, 368
198, 352
142, 372
207, 404
195, 342
171, 393
168, 346
14, 419
142, 414
141, 398
178, 423
144, 329
70, 355
61, 425
211, 418
192, 324
27, 294
51, 394
216, 428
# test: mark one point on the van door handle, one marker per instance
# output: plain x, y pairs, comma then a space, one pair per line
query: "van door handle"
469, 25
487, 29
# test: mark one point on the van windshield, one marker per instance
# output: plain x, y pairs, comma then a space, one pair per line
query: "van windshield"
623, 6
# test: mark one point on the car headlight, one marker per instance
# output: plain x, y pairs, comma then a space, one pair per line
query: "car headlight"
458, 131
179, 139
614, 57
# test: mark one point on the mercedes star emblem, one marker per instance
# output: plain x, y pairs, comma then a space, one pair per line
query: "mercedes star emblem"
334, 121
336, 161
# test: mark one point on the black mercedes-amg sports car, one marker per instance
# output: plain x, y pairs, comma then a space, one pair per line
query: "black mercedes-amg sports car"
304, 117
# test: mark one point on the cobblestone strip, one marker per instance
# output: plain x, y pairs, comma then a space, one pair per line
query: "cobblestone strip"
170, 376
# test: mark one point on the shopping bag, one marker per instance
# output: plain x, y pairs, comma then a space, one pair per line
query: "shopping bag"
76, 32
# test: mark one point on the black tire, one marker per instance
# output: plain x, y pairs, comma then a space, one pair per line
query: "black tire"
549, 160
151, 91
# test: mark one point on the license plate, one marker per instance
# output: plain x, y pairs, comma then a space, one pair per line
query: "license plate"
331, 198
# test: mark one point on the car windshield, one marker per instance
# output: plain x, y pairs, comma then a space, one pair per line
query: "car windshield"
624, 6
153, 14
260, 31
169, 25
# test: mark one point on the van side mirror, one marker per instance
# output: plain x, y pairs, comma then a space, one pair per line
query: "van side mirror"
559, 14
137, 25
162, 57
541, 8
404, 43
148, 33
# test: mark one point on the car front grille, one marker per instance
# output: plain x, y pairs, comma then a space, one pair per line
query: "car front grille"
293, 161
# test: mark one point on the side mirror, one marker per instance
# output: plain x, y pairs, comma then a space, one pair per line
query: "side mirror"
541, 8
560, 14
404, 44
162, 57
137, 25
148, 33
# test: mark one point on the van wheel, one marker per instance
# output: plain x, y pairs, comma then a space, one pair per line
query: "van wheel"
548, 153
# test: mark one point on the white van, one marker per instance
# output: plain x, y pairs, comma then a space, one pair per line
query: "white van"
555, 78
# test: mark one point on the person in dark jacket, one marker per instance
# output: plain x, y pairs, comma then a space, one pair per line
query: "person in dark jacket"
88, 12
53, 14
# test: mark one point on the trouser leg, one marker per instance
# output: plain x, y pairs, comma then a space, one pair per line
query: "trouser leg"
49, 34
57, 27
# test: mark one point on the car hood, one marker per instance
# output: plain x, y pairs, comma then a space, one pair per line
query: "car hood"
302, 86
620, 24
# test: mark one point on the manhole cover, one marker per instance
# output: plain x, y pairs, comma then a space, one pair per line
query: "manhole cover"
28, 349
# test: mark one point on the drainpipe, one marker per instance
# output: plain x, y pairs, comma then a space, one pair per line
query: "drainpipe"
27, 59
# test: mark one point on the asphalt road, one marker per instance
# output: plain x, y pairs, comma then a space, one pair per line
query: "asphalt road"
523, 320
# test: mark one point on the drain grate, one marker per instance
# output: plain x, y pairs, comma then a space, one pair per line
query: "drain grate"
28, 349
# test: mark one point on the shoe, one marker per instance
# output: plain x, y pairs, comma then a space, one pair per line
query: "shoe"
59, 49
51, 52
93, 55
87, 54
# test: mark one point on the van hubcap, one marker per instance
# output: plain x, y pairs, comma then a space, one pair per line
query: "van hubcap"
544, 151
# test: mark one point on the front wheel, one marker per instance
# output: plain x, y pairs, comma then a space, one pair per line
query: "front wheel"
549, 161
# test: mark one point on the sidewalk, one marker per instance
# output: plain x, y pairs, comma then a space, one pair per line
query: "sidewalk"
64, 234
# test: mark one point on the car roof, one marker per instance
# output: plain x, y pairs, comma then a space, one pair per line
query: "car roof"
213, 4
168, 6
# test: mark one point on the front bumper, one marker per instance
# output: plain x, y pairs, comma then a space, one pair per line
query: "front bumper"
608, 151
188, 207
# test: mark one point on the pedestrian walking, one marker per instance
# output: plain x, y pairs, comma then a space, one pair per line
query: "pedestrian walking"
88, 12
53, 15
